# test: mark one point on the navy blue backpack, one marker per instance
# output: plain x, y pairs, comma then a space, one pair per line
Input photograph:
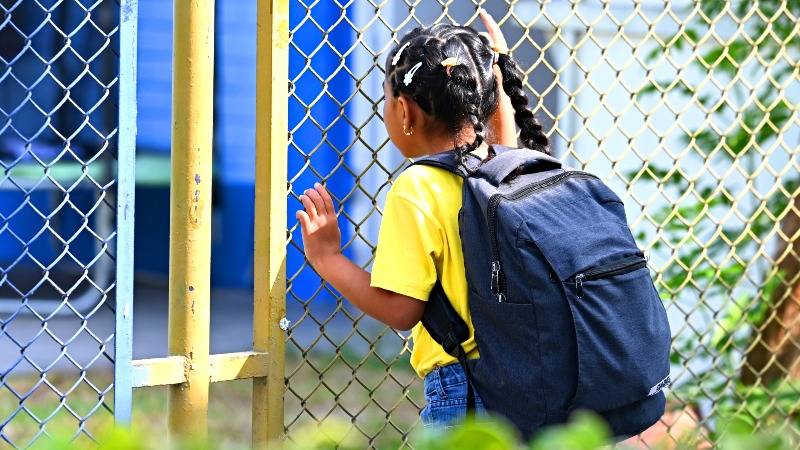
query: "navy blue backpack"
565, 311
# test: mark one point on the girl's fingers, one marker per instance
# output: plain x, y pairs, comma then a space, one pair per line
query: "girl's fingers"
309, 206
317, 199
305, 221
326, 198
495, 34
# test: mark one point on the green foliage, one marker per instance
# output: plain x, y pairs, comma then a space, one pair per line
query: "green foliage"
760, 407
474, 434
712, 250
331, 434
585, 431
740, 432
114, 438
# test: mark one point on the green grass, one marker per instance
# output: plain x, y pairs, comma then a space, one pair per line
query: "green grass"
379, 404
83, 406
380, 401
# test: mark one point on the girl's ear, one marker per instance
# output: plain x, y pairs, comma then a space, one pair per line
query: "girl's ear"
407, 112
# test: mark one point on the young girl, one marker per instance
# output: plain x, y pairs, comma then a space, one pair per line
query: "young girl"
445, 87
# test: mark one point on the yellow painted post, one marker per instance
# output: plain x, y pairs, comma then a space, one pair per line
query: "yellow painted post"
272, 124
190, 213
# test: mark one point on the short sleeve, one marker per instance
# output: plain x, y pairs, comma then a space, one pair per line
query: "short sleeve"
408, 244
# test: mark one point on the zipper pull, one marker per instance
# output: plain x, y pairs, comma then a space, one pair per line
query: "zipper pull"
579, 285
495, 282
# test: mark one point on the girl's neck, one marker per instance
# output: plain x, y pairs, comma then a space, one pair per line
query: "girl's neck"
443, 143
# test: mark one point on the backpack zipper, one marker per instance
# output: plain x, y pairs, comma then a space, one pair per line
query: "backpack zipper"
625, 265
498, 280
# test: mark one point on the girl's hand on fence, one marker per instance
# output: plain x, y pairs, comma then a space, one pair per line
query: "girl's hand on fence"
322, 244
493, 32
321, 236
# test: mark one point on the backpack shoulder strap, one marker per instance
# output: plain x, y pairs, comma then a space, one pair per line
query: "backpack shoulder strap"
518, 160
440, 318
448, 161
444, 160
449, 330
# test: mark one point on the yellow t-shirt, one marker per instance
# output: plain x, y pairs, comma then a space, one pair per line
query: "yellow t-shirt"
418, 243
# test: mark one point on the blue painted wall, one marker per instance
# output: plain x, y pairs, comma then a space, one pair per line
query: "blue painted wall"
320, 131
154, 103
234, 143
38, 128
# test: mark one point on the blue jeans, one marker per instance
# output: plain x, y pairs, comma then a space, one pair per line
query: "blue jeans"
446, 396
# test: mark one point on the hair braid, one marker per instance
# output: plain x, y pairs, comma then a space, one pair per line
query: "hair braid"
531, 133
469, 147
465, 83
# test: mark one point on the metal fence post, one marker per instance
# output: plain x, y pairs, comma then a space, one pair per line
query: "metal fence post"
190, 212
126, 179
272, 79
189, 369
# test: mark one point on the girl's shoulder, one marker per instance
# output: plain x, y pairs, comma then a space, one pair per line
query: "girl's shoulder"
426, 182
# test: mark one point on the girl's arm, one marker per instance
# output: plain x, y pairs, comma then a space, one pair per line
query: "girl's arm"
322, 245
502, 124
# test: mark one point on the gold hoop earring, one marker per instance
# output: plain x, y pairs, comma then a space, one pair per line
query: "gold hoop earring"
409, 131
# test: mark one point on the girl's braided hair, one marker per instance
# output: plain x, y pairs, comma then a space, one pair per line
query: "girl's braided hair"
468, 94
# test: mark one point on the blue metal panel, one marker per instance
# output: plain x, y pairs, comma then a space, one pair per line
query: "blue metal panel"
320, 132
233, 213
234, 145
126, 179
154, 62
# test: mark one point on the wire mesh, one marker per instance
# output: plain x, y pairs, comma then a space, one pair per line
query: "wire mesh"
58, 124
687, 109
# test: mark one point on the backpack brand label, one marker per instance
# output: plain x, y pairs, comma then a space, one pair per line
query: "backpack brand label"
659, 387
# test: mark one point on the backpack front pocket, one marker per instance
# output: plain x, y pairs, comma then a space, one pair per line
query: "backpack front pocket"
508, 373
619, 323
621, 332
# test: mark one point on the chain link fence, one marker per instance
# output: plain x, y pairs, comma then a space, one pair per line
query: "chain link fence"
59, 67
688, 110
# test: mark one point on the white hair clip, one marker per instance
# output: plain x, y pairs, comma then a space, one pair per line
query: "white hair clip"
410, 73
396, 58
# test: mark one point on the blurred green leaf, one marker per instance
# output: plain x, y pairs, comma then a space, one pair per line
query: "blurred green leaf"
711, 9
648, 89
330, 434
118, 438
729, 323
113, 438
473, 434
585, 431
688, 37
